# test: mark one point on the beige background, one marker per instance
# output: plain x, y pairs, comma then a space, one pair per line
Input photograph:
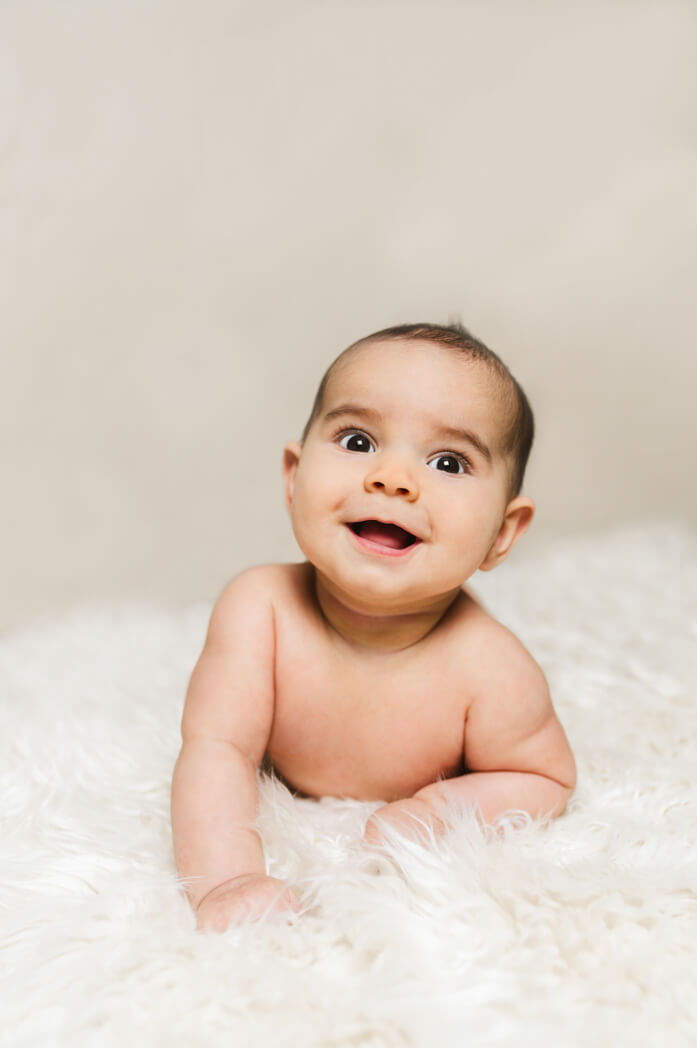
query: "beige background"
202, 202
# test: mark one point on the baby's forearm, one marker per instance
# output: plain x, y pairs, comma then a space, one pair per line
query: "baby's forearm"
491, 793
214, 805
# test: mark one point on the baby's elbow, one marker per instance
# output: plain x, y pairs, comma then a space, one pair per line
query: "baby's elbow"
565, 793
561, 782
567, 784
561, 767
570, 777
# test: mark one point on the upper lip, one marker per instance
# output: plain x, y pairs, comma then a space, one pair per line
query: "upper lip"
384, 520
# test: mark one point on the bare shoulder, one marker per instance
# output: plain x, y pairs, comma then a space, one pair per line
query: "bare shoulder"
259, 591
504, 682
279, 583
497, 657
270, 579
511, 723
231, 691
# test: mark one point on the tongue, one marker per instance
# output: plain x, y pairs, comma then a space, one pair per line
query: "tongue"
384, 534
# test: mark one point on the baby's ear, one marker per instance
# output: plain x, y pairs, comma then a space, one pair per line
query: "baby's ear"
291, 458
516, 521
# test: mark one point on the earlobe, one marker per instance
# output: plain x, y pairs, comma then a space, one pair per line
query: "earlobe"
291, 458
516, 521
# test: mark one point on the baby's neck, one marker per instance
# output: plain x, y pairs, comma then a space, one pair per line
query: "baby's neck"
380, 632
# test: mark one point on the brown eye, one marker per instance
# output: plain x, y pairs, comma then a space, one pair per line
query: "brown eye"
448, 464
356, 441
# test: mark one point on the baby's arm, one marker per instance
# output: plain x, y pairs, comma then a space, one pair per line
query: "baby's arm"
225, 728
515, 749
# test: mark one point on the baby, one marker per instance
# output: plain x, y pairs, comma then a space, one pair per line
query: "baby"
369, 670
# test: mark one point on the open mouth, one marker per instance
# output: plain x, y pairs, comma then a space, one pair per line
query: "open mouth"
389, 536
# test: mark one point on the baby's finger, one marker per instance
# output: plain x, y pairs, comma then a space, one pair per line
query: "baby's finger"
288, 900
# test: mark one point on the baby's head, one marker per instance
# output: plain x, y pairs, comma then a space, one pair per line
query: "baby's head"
407, 477
518, 427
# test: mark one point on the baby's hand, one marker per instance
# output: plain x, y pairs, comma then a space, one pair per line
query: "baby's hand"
249, 895
412, 817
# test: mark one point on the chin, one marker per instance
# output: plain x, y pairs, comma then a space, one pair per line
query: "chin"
365, 590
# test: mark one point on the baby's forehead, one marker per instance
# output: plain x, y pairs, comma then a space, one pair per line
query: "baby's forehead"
466, 394
362, 369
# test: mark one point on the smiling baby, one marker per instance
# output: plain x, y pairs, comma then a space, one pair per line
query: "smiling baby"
369, 670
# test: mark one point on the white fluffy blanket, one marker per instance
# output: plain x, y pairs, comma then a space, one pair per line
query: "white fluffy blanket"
580, 932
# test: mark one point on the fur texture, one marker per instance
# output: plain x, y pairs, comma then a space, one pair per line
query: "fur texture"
583, 931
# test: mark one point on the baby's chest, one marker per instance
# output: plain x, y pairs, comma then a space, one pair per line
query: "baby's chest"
367, 730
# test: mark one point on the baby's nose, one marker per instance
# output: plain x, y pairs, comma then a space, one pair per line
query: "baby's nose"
394, 478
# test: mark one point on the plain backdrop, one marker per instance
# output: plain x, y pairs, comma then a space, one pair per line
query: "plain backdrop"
202, 203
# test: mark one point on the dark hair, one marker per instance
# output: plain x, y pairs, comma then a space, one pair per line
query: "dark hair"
519, 435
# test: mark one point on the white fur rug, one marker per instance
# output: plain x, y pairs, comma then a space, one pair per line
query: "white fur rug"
583, 932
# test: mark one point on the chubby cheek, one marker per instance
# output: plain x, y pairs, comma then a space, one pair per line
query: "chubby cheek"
317, 500
464, 537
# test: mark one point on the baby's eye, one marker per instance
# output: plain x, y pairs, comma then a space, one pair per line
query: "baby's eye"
450, 463
356, 441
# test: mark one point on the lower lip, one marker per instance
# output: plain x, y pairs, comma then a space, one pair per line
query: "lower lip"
383, 551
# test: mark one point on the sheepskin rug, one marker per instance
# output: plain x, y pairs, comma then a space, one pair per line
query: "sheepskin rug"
580, 932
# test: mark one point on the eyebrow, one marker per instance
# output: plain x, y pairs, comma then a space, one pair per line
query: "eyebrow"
453, 432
